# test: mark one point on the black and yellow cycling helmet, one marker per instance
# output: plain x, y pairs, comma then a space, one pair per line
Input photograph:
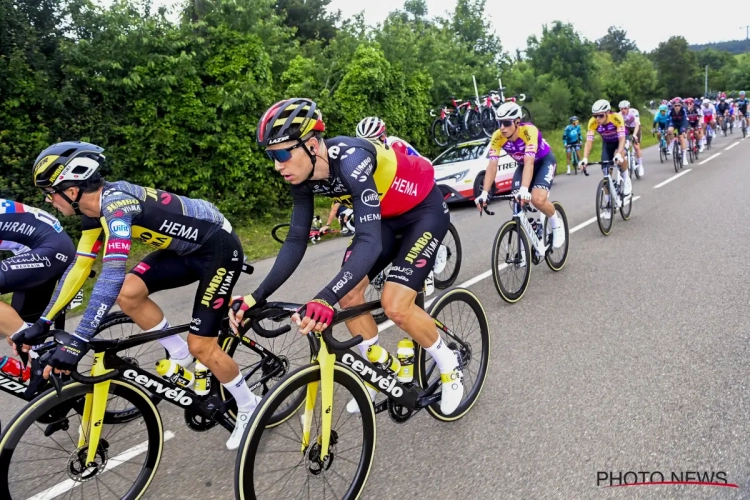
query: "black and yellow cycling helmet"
289, 120
70, 161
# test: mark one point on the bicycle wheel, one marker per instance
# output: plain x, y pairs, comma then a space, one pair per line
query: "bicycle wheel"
605, 208
280, 231
574, 160
117, 326
290, 351
525, 115
489, 123
462, 313
473, 124
439, 134
375, 290
274, 464
448, 261
691, 157
627, 206
511, 261
662, 153
676, 158
453, 127
556, 257
60, 465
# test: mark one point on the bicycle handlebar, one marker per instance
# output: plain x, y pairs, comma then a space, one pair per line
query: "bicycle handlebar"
84, 379
337, 346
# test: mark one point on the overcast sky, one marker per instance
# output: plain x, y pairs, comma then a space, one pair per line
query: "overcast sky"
647, 22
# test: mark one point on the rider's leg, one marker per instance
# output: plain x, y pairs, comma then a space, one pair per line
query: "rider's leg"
10, 321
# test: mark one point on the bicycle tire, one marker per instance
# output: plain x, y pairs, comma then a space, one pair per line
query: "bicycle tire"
438, 133
602, 190
230, 347
277, 228
626, 209
473, 124
244, 465
662, 153
526, 115
691, 154
559, 264
489, 123
574, 160
676, 158
466, 297
451, 277
453, 127
509, 228
47, 402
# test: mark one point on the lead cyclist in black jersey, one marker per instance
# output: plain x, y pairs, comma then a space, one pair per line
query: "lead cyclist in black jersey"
392, 195
193, 242
42, 252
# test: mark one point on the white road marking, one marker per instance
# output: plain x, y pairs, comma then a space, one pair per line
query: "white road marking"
730, 147
113, 462
709, 159
672, 178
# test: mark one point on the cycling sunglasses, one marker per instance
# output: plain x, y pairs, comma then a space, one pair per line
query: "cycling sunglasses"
506, 123
599, 116
283, 155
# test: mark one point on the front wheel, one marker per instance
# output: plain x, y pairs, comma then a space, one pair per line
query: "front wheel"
278, 464
605, 208
556, 257
464, 329
511, 262
676, 157
448, 260
439, 134
60, 465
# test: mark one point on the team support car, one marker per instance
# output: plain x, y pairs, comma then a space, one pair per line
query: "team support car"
459, 171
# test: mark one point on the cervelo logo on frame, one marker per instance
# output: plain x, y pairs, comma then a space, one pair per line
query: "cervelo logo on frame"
387, 384
178, 397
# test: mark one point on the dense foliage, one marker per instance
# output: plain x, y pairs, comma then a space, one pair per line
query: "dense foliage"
176, 104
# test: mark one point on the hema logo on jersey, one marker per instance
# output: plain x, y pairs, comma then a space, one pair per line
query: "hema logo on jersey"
118, 227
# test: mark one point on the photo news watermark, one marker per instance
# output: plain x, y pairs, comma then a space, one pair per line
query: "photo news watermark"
612, 479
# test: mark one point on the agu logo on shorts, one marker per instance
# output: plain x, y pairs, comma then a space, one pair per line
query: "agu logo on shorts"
118, 227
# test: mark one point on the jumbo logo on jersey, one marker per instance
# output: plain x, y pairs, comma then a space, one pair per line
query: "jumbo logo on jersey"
362, 170
221, 283
425, 244
124, 206
118, 227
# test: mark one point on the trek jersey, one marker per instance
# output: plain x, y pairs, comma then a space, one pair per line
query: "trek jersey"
528, 143
156, 218
23, 227
374, 180
611, 131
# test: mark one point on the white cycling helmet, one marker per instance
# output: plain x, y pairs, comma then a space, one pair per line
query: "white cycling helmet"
509, 111
371, 127
624, 104
706, 101
601, 106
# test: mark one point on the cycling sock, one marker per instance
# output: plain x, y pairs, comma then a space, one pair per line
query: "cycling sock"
245, 399
174, 344
443, 356
554, 221
366, 345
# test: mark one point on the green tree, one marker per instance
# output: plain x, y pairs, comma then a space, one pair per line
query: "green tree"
640, 75
310, 18
677, 67
616, 43
470, 24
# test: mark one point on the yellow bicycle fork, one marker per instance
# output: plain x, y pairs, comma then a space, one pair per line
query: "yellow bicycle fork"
326, 361
93, 410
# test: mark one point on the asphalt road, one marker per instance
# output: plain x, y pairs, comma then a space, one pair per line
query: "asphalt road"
632, 358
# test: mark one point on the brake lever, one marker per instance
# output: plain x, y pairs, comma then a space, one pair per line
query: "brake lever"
56, 381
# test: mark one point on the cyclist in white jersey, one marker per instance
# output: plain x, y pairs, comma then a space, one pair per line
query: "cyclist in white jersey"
373, 128
632, 119
709, 115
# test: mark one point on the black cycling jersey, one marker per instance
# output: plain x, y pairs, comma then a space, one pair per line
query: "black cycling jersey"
369, 177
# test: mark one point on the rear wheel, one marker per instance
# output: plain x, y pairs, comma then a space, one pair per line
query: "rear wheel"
448, 260
439, 134
556, 257
489, 123
511, 262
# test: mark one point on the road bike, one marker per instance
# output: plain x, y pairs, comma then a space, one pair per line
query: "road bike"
725, 124
630, 157
452, 124
709, 132
744, 125
692, 145
279, 232
605, 209
494, 100
663, 149
72, 427
511, 271
445, 271
328, 452
574, 161
676, 153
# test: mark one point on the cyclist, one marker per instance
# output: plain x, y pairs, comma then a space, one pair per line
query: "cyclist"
401, 218
694, 118
341, 212
722, 110
193, 242
373, 128
678, 120
42, 251
742, 102
612, 129
572, 139
661, 122
709, 116
536, 165
632, 119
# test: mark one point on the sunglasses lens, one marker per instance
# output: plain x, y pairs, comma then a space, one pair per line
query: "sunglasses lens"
280, 155
598, 116
506, 123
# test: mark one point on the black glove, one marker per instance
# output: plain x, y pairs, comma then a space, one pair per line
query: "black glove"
71, 350
34, 334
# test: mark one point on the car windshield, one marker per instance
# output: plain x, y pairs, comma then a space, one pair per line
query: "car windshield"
462, 152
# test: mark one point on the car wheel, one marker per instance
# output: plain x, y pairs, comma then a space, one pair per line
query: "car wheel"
479, 185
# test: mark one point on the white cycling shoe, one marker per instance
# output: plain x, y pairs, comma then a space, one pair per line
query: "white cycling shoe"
452, 390
640, 170
353, 407
558, 236
243, 418
627, 185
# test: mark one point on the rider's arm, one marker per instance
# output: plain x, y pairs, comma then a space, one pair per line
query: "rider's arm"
621, 132
117, 241
589, 137
294, 246
496, 149
366, 245
530, 136
332, 213
78, 271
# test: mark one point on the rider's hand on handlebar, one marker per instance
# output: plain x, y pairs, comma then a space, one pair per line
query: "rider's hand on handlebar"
583, 164
238, 306
31, 336
523, 195
618, 158
481, 200
318, 316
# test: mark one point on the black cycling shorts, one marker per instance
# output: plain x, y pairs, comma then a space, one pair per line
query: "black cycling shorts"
411, 240
216, 266
544, 174
31, 277
608, 150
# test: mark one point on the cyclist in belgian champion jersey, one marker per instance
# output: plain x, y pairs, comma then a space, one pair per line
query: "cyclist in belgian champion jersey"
536, 165
193, 242
392, 195
42, 252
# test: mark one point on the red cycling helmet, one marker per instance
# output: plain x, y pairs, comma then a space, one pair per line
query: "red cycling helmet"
676, 100
689, 100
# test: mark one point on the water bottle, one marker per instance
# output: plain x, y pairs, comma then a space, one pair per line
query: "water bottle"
380, 358
405, 355
12, 367
202, 379
175, 373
